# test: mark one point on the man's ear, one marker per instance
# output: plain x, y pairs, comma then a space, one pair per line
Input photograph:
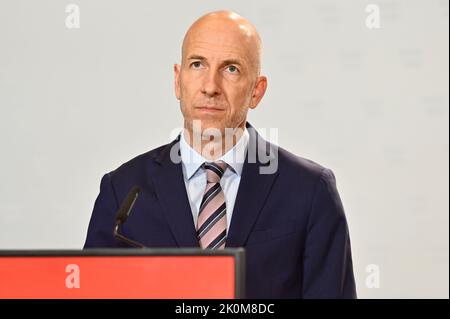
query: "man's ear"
176, 71
258, 91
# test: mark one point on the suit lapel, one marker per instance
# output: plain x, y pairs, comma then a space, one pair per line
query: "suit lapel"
253, 189
171, 191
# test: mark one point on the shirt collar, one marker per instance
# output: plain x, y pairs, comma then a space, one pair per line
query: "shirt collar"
235, 157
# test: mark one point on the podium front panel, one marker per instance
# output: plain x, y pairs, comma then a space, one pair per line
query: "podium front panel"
122, 273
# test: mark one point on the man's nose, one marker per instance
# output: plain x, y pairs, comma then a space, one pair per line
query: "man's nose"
211, 84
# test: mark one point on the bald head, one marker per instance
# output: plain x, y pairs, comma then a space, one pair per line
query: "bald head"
218, 80
226, 29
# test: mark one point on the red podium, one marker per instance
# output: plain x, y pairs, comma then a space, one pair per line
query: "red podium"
175, 273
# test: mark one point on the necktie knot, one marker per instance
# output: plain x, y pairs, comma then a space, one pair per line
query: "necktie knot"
214, 171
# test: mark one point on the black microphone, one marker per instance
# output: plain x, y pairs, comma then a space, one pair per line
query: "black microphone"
122, 215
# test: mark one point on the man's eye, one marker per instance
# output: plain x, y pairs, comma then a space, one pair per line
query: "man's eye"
232, 69
196, 65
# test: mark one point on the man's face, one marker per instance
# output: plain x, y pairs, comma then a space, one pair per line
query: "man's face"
217, 80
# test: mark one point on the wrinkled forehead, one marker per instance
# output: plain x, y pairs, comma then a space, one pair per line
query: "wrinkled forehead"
221, 37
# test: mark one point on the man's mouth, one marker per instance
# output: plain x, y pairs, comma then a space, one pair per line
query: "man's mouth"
209, 108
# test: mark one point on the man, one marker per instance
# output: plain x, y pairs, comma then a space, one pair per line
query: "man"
200, 191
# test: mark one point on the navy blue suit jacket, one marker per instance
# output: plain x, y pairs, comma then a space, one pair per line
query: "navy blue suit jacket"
291, 223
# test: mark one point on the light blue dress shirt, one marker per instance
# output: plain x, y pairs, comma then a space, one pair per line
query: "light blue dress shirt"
195, 176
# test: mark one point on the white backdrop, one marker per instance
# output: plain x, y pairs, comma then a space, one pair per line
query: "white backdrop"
371, 104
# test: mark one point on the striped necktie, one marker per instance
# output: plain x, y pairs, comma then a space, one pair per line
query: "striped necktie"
212, 216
